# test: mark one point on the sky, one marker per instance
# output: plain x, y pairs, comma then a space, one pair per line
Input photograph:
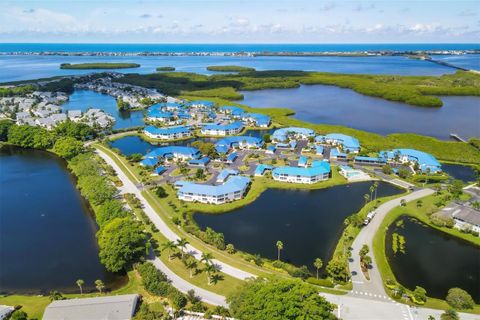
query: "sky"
240, 21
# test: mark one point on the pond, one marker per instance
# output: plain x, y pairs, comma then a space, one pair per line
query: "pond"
308, 222
135, 144
85, 99
333, 105
433, 260
460, 172
47, 233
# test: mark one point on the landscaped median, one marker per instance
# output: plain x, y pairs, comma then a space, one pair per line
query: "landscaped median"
421, 213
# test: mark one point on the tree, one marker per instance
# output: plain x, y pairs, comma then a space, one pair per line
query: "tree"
4, 127
419, 203
122, 105
387, 169
318, 264
456, 188
160, 192
178, 299
135, 157
449, 315
337, 269
206, 258
19, 315
366, 196
366, 261
182, 244
30, 137
121, 242
230, 248
200, 174
279, 248
170, 246
375, 185
80, 283
404, 173
99, 285
210, 269
110, 210
191, 264
206, 148
403, 202
77, 130
364, 250
371, 189
55, 295
276, 298
96, 188
459, 299
420, 294
267, 137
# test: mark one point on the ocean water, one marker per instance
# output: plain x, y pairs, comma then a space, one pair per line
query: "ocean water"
148, 47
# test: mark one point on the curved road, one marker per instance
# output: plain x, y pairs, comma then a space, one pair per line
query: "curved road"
373, 288
181, 284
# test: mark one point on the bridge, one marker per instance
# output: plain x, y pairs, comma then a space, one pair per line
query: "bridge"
457, 137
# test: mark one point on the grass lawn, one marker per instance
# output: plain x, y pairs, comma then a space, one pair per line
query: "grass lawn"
419, 213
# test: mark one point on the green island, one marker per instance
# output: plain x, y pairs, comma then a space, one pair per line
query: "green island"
99, 65
166, 68
229, 68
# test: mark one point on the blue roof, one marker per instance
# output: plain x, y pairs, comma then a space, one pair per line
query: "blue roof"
347, 142
260, 119
335, 153
233, 110
203, 160
317, 168
302, 161
159, 106
223, 175
261, 168
149, 162
271, 148
319, 149
233, 184
424, 160
160, 170
223, 145
167, 130
283, 133
172, 150
159, 114
223, 127
232, 156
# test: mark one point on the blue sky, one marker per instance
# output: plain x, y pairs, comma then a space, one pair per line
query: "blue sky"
240, 21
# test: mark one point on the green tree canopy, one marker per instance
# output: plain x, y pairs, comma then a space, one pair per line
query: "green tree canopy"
110, 210
459, 298
274, 298
4, 127
77, 130
121, 242
67, 147
30, 137
97, 189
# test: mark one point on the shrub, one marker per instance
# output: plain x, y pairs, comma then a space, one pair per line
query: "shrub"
321, 282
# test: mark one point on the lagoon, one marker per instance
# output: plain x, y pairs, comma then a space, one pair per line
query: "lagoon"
25, 67
460, 172
433, 260
47, 232
308, 222
338, 106
86, 99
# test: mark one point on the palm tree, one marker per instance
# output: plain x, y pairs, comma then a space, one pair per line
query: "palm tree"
80, 283
210, 269
99, 285
206, 258
372, 188
279, 248
318, 264
366, 197
191, 264
376, 184
170, 246
182, 244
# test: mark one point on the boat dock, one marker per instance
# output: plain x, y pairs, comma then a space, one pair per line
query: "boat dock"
457, 137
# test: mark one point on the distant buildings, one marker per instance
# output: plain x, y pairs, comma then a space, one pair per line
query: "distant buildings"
168, 133
170, 153
286, 134
319, 171
241, 142
121, 307
347, 143
222, 129
426, 162
233, 189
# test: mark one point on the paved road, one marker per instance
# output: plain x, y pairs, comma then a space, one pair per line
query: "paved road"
373, 288
356, 308
130, 187
184, 286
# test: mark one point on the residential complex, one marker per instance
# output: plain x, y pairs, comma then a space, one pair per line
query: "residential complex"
318, 171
